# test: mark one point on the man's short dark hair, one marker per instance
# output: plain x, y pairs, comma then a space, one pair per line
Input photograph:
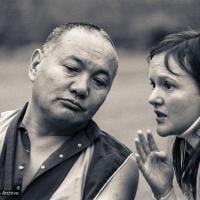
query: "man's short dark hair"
56, 34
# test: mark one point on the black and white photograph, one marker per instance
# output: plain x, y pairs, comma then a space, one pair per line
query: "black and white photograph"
99, 100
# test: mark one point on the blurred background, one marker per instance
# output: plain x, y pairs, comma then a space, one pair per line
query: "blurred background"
134, 26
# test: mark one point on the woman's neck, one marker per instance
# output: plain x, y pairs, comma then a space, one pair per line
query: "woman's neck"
192, 134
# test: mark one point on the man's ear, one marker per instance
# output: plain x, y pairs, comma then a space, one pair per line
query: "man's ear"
34, 64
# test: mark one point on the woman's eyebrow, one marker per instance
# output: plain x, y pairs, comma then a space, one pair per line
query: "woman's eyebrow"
167, 78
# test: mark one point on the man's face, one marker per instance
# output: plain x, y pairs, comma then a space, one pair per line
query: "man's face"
73, 80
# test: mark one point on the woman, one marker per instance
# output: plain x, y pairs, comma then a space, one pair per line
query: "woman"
174, 74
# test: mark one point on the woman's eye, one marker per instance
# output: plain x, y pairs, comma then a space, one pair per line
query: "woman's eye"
168, 85
152, 84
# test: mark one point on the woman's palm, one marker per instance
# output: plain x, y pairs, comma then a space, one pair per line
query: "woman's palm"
155, 165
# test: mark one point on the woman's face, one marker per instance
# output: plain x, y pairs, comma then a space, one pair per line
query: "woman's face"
175, 98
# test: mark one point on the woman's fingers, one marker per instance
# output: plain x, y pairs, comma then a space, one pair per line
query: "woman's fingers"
145, 145
143, 142
142, 146
140, 163
140, 150
151, 141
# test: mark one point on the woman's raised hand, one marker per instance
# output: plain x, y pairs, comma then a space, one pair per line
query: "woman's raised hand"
155, 165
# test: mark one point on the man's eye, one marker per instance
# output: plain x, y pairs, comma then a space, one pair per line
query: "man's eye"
72, 69
100, 83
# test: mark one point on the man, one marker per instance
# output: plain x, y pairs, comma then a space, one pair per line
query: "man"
52, 149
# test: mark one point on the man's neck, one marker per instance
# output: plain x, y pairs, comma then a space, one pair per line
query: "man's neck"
38, 123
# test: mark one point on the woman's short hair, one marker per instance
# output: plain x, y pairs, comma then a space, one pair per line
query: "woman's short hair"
184, 47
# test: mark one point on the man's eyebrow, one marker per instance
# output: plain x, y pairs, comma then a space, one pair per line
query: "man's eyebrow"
101, 71
78, 60
104, 72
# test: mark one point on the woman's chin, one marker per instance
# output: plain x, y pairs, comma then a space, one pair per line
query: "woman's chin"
167, 132
163, 133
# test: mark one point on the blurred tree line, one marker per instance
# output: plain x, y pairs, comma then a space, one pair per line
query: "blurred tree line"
134, 24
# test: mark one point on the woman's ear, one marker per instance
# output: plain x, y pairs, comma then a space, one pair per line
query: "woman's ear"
34, 64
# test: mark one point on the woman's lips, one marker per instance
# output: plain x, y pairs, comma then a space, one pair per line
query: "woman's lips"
160, 116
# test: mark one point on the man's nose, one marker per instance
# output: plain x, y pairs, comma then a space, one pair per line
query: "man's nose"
155, 98
80, 86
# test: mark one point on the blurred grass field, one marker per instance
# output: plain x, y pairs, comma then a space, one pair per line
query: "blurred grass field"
125, 111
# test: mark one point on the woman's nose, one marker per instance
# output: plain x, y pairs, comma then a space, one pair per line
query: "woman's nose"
155, 98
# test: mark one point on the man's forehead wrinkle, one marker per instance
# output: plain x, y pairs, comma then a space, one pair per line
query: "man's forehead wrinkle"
84, 55
87, 47
82, 34
97, 48
78, 34
88, 51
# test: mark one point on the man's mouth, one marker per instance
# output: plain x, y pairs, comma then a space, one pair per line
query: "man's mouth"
72, 104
